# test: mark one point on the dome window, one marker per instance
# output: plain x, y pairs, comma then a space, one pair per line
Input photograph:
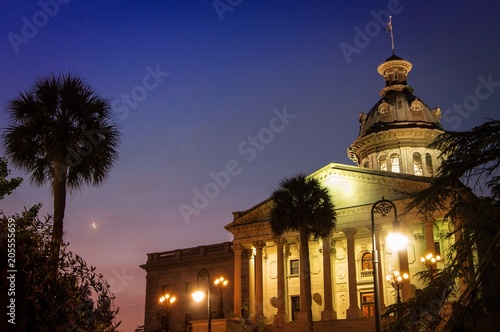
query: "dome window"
428, 164
382, 162
417, 164
395, 163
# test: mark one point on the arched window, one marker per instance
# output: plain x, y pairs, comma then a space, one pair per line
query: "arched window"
395, 163
428, 164
366, 262
417, 164
382, 162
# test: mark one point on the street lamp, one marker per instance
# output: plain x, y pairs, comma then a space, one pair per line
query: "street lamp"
220, 282
199, 295
396, 280
383, 207
167, 299
430, 261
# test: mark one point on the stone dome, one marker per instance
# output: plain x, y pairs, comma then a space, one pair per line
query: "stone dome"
398, 107
396, 131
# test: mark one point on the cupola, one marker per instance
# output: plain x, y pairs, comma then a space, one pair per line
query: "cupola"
395, 133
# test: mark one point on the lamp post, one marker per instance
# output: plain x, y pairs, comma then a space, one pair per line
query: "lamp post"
430, 261
220, 282
167, 299
396, 280
382, 207
199, 295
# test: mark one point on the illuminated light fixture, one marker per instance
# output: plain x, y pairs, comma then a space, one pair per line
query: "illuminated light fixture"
397, 241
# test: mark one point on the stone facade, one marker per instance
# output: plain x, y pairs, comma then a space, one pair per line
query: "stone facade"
175, 272
341, 259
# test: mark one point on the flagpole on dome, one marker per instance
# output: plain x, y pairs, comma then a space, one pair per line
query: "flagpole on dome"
389, 28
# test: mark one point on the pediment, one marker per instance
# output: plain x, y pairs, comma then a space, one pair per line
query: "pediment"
351, 187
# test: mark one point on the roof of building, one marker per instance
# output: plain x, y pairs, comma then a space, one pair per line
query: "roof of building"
398, 107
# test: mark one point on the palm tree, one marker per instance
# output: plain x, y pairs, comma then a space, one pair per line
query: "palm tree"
61, 132
303, 204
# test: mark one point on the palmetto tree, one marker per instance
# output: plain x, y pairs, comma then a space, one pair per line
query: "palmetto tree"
61, 132
303, 204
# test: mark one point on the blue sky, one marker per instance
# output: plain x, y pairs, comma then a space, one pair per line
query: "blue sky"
258, 90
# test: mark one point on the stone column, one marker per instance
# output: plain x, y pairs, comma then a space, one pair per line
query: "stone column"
237, 248
328, 313
404, 266
353, 311
251, 283
280, 317
258, 280
468, 266
429, 235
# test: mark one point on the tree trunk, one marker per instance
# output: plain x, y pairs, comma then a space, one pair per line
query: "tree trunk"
305, 277
59, 188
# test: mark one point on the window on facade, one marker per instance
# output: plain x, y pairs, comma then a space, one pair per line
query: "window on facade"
417, 164
366, 262
437, 248
189, 288
382, 162
428, 164
164, 289
368, 304
294, 267
366, 265
395, 163
295, 302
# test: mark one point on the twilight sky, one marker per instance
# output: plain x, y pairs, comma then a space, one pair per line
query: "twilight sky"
219, 100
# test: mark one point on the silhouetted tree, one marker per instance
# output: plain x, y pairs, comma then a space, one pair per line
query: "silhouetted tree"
468, 188
61, 133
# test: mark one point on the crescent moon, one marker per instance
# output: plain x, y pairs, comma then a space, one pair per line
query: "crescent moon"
94, 225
